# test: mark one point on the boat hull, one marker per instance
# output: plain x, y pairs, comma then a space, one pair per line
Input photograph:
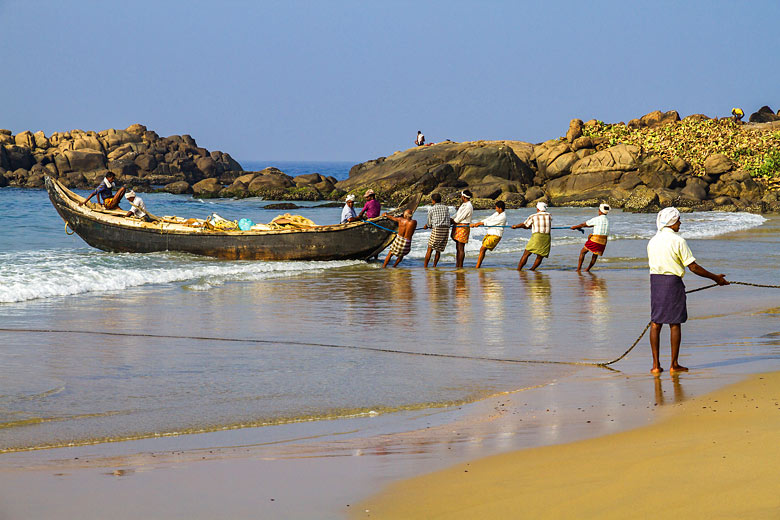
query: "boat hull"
359, 240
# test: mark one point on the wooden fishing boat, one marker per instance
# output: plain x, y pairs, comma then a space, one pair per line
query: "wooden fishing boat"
112, 231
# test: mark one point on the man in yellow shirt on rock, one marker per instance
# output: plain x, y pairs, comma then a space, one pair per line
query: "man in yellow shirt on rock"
668, 255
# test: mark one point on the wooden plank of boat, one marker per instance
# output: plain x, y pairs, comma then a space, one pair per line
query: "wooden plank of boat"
111, 231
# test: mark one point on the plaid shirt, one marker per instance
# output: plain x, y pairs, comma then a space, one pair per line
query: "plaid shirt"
539, 222
438, 216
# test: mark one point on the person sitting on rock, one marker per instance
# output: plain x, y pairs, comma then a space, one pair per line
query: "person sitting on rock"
105, 194
138, 209
420, 141
737, 114
371, 208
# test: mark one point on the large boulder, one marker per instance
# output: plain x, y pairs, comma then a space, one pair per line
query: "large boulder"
695, 189
207, 166
622, 157
763, 115
25, 139
146, 162
575, 130
207, 188
178, 188
85, 160
642, 199
18, 157
717, 164
585, 186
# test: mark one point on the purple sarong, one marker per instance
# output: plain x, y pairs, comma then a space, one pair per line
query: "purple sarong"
667, 299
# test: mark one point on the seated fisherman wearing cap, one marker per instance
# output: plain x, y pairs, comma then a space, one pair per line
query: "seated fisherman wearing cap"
597, 241
104, 193
403, 239
668, 255
540, 224
348, 212
138, 208
372, 207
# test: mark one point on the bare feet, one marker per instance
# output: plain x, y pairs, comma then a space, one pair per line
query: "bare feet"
587, 269
656, 370
678, 368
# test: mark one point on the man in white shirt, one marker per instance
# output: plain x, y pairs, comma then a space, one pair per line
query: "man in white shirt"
540, 224
348, 213
494, 234
138, 208
597, 241
420, 141
461, 227
668, 255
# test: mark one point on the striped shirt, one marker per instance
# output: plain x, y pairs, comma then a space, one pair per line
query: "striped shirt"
438, 216
600, 225
540, 222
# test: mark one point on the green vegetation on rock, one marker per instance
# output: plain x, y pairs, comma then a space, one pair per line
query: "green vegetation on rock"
752, 150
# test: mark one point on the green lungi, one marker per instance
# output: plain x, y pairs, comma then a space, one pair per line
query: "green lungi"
539, 244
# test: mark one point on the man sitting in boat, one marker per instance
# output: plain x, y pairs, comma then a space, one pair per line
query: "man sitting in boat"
105, 194
371, 208
138, 209
348, 213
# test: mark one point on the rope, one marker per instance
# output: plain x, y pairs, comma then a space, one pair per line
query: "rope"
604, 364
66, 229
380, 227
686, 292
554, 227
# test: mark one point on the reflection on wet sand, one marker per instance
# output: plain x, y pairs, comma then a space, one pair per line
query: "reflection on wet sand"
596, 301
539, 292
493, 304
678, 394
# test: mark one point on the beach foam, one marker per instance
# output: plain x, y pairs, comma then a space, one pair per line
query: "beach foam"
30, 275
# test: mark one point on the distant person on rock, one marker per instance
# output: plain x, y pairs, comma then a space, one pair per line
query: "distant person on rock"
461, 225
540, 224
104, 193
372, 207
403, 239
668, 255
737, 114
439, 224
420, 141
494, 234
138, 208
597, 241
348, 213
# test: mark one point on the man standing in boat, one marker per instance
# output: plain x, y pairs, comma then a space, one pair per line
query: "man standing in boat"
403, 238
105, 194
371, 208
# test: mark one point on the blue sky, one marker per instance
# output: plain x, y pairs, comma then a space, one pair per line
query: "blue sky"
355, 80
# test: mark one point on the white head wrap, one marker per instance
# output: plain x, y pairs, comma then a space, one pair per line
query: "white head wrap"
667, 217
463, 194
541, 206
350, 198
130, 195
604, 208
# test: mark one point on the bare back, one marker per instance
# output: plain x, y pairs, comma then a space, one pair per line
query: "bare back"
406, 227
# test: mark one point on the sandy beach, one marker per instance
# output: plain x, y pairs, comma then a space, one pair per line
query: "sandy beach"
711, 457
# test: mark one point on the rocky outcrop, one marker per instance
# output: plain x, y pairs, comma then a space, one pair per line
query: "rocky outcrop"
764, 115
138, 157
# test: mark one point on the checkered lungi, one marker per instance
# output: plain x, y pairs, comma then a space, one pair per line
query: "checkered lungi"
401, 246
439, 237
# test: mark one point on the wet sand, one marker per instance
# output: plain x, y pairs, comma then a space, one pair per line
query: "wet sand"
713, 457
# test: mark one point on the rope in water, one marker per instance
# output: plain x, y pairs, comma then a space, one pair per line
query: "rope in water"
463, 225
604, 364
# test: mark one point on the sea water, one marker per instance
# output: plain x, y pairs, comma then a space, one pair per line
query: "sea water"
206, 345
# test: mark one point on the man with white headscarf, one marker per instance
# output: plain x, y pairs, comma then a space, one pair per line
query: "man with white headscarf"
540, 224
138, 208
668, 255
597, 241
348, 213
461, 225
